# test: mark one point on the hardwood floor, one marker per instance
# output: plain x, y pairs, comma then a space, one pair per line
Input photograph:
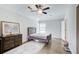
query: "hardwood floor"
54, 47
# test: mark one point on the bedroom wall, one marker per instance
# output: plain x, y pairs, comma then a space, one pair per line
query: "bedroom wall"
11, 16
54, 27
71, 27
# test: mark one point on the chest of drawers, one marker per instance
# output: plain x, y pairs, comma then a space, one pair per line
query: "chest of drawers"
9, 42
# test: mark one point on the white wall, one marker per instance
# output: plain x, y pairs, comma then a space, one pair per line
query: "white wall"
71, 27
53, 27
11, 16
63, 30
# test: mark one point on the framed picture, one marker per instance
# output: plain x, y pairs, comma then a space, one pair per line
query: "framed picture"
9, 28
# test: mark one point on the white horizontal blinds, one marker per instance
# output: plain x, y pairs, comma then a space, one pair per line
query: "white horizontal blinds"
42, 27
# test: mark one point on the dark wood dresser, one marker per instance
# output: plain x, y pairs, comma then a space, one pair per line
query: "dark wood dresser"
9, 42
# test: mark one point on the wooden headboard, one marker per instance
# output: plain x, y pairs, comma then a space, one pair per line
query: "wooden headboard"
31, 30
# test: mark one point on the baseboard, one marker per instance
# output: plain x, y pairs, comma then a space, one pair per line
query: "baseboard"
24, 42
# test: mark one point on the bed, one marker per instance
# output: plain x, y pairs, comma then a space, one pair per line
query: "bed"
39, 37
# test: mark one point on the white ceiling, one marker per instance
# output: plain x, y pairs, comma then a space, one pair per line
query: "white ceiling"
56, 11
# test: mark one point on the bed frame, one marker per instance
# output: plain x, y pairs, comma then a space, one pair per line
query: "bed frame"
32, 30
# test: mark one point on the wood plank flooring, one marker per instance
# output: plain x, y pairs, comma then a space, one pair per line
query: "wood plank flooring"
55, 46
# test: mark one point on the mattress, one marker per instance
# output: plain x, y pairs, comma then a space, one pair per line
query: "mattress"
40, 35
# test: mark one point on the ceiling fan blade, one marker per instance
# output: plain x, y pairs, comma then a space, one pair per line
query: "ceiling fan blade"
29, 7
44, 12
37, 6
46, 8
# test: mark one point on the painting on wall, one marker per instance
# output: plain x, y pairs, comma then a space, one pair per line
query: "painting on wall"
9, 28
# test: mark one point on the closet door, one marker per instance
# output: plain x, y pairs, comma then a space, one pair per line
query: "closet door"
77, 21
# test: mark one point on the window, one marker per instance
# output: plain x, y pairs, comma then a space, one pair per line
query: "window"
42, 27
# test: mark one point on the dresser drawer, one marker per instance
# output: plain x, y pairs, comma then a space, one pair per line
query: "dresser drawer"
17, 43
6, 47
6, 39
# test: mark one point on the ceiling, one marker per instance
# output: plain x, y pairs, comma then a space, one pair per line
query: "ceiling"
56, 11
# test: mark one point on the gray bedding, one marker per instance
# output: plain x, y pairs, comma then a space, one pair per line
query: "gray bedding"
40, 35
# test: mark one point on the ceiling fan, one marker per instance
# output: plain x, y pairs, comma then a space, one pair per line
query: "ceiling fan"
40, 9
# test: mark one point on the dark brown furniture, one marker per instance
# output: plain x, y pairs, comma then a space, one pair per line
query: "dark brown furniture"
31, 30
9, 42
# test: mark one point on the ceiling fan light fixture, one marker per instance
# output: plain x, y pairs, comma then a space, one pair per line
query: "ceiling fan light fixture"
39, 11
